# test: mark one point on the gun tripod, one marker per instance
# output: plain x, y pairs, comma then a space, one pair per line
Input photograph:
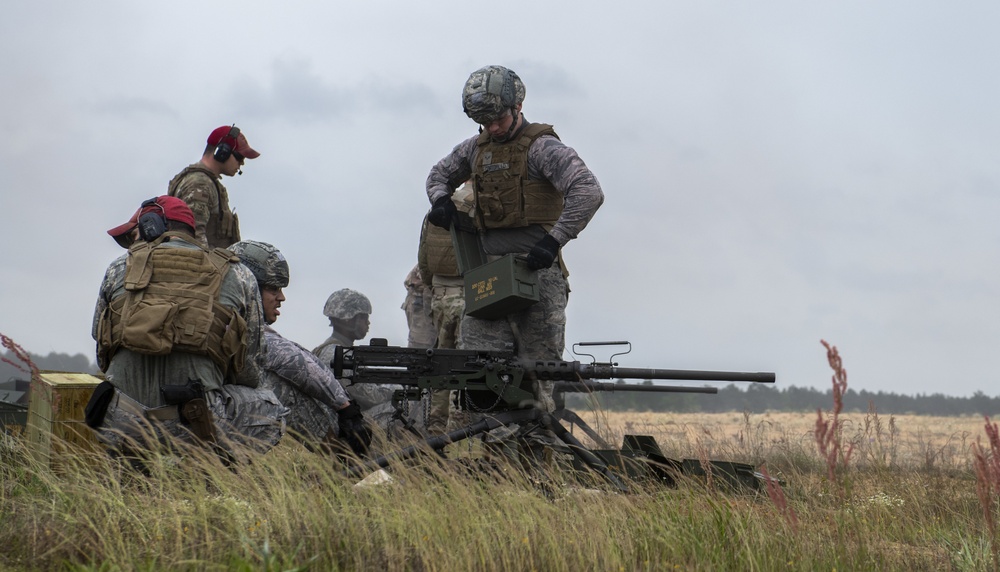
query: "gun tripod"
521, 417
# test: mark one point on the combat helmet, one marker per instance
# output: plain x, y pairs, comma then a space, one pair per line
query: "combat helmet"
346, 303
265, 261
489, 92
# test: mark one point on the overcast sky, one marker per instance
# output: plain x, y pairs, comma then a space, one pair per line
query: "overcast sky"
776, 173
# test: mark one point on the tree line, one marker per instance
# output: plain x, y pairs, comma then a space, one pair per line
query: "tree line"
52, 362
759, 398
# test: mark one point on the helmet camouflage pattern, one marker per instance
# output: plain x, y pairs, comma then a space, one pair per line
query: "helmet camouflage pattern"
346, 303
265, 261
489, 92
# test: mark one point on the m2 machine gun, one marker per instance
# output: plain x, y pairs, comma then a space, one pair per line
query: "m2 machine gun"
499, 386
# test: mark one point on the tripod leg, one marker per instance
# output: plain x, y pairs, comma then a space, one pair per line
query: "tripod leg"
440, 441
572, 418
584, 454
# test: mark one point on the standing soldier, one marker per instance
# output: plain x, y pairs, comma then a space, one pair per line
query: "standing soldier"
439, 267
417, 307
533, 194
349, 312
320, 411
200, 186
180, 339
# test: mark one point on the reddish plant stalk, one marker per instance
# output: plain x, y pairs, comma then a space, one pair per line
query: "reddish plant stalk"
828, 430
777, 496
28, 366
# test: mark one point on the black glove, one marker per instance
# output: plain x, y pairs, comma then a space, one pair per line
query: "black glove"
443, 212
544, 253
353, 430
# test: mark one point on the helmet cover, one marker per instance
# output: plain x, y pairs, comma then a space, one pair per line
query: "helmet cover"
265, 261
344, 304
489, 92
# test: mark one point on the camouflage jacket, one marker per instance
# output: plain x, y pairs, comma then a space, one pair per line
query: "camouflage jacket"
375, 400
296, 366
548, 159
215, 223
303, 384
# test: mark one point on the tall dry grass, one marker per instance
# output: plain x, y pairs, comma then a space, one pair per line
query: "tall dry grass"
293, 509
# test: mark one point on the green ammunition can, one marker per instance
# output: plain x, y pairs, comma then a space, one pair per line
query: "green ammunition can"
496, 289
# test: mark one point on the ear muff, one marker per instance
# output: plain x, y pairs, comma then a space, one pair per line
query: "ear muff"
152, 224
224, 150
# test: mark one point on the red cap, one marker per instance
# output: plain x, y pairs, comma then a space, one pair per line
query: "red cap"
172, 207
236, 140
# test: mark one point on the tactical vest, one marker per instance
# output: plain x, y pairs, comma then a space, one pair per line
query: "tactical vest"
171, 304
226, 230
505, 198
439, 251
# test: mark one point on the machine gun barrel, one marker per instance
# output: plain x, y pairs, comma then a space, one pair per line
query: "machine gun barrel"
595, 386
599, 372
567, 371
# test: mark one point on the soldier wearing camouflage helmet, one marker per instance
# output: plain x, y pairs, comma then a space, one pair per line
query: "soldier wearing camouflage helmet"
349, 311
533, 194
320, 411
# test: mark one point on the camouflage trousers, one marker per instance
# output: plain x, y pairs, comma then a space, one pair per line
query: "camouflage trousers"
308, 418
537, 332
242, 416
447, 308
418, 318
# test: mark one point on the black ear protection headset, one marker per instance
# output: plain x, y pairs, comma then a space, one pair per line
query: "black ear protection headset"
152, 224
224, 150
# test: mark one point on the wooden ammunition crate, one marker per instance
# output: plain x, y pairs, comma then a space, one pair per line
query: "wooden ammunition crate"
55, 415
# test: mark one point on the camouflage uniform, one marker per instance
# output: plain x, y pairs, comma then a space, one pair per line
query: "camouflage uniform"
305, 385
539, 331
439, 267
242, 411
418, 312
375, 400
215, 224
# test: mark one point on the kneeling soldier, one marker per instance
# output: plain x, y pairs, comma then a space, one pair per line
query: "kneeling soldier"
320, 411
180, 338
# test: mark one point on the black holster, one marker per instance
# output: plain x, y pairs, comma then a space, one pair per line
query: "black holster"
192, 406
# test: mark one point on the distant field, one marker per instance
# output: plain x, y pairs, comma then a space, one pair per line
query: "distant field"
904, 439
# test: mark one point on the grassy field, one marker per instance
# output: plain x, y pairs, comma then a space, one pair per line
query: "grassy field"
906, 498
901, 440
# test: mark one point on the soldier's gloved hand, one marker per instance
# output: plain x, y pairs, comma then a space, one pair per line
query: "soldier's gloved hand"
544, 253
353, 430
443, 212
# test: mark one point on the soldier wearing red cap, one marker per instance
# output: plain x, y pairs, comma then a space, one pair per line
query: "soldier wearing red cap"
200, 186
179, 336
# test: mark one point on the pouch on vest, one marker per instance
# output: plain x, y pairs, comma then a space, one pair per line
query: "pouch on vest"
104, 341
234, 346
500, 202
150, 327
97, 407
191, 327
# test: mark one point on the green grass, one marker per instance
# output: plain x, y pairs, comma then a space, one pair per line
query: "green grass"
292, 509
